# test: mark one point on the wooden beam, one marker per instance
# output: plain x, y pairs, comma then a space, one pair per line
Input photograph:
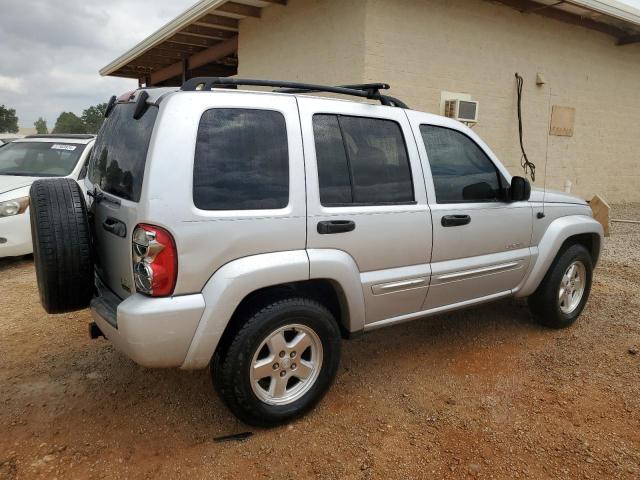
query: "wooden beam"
207, 32
193, 41
240, 9
217, 52
628, 39
277, 2
212, 54
167, 56
140, 63
178, 47
158, 58
225, 23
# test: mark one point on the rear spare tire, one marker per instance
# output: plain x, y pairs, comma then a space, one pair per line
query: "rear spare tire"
62, 248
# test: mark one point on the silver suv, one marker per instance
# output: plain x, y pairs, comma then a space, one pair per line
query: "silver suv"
251, 231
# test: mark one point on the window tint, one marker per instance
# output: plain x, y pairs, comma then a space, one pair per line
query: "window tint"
361, 161
120, 152
333, 168
461, 171
241, 160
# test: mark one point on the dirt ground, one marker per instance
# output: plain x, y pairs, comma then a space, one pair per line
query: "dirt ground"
484, 392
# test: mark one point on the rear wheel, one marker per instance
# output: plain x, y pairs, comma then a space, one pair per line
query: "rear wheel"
62, 249
563, 293
280, 364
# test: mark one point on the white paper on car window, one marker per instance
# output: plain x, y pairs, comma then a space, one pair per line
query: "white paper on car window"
58, 146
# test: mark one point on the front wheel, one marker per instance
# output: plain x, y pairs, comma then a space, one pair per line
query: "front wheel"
281, 363
564, 291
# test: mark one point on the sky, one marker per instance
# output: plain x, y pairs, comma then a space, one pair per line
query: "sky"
51, 50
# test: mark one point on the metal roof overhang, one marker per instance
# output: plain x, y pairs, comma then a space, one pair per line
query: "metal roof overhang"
204, 39
201, 41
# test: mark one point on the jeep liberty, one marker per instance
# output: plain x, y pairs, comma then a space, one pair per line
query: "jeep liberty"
251, 231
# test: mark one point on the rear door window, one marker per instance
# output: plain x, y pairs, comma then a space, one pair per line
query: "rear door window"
361, 161
120, 152
241, 160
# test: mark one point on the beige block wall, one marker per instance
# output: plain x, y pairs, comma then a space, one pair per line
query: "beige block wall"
423, 47
320, 41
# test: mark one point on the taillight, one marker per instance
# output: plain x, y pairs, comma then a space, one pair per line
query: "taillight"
155, 261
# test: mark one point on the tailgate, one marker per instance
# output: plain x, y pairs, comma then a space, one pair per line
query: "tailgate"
114, 182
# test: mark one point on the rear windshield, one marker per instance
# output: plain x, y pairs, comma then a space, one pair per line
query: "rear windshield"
39, 159
118, 158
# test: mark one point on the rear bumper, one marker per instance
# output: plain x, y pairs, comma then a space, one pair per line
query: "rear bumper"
15, 235
153, 332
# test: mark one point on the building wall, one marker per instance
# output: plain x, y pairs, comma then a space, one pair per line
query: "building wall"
319, 41
423, 47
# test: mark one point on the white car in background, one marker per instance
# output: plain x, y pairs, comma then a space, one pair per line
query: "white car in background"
21, 163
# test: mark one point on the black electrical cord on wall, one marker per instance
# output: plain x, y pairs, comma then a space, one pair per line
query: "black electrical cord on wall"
527, 165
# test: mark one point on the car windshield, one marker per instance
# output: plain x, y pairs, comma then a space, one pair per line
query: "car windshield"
39, 159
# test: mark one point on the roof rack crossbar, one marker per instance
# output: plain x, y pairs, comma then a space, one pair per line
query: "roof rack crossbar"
370, 91
370, 88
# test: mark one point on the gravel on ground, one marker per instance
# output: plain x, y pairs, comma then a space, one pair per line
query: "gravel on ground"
484, 392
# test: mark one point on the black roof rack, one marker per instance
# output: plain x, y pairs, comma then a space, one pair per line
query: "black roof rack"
370, 91
79, 136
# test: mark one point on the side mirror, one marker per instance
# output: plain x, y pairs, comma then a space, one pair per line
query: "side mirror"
520, 190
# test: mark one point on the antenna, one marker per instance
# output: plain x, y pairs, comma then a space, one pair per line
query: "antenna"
546, 157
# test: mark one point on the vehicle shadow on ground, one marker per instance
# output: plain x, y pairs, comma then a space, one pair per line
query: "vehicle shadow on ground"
9, 263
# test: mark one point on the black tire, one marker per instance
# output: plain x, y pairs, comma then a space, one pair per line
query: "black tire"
544, 302
230, 370
62, 248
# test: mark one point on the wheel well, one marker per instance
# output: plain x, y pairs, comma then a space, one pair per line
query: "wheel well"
591, 241
324, 291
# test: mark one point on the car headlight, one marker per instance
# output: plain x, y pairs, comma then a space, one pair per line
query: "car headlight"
14, 207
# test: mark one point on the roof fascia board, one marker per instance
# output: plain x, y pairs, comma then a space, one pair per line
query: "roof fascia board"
610, 8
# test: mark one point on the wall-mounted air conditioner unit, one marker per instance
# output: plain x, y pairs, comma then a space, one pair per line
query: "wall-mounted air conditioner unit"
462, 110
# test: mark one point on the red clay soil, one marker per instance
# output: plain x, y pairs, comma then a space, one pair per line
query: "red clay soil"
481, 393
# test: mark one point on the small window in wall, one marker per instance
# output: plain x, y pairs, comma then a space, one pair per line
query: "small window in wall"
361, 161
241, 160
461, 171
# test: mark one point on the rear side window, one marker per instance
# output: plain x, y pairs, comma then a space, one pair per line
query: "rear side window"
120, 152
361, 161
241, 160
461, 171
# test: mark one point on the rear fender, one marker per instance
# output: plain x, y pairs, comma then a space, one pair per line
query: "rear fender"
233, 282
229, 286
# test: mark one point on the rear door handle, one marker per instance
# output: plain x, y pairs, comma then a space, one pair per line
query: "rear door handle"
455, 220
336, 226
115, 226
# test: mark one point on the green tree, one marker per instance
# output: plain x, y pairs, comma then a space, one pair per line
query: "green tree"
41, 126
8, 120
69, 122
93, 117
